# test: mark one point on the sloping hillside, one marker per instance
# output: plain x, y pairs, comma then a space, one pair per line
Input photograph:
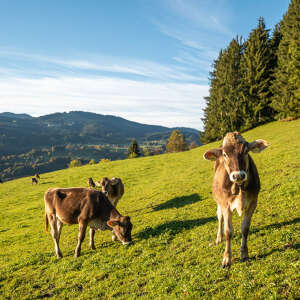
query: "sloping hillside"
31, 145
168, 198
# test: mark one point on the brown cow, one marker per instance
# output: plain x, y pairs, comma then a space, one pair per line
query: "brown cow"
114, 190
85, 207
236, 185
91, 182
37, 176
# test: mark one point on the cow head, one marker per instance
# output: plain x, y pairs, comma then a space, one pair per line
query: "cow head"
234, 155
108, 185
122, 229
105, 182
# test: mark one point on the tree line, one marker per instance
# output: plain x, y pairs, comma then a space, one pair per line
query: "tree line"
257, 80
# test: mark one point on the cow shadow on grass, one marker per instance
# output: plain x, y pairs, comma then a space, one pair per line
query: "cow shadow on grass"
279, 250
172, 227
275, 225
178, 202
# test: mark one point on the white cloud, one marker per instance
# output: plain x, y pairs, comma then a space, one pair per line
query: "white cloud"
143, 69
168, 104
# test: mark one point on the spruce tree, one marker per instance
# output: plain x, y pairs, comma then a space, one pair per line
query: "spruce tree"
256, 70
134, 149
176, 142
223, 106
286, 86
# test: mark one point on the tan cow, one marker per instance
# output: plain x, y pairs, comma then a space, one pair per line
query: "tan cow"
85, 207
236, 185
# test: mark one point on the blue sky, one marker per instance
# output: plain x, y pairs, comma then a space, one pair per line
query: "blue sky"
144, 60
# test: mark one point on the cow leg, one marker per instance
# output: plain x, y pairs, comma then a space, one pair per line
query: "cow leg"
92, 241
220, 229
55, 235
59, 225
228, 229
245, 230
81, 235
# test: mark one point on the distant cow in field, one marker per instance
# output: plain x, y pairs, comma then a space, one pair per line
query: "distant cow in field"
91, 182
85, 207
236, 185
114, 190
37, 176
34, 181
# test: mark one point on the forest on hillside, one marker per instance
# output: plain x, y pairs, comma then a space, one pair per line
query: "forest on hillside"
257, 80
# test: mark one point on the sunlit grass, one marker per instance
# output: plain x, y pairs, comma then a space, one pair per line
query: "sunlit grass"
168, 198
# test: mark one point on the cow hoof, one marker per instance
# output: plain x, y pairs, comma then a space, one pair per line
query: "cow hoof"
77, 254
226, 263
218, 241
59, 255
93, 247
243, 259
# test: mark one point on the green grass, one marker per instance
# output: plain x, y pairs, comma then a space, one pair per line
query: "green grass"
168, 198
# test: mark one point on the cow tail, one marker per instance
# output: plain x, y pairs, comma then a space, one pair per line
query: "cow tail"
46, 222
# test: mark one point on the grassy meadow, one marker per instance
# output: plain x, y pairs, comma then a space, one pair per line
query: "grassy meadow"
174, 256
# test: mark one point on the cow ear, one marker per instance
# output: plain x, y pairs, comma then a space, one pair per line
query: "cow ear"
258, 146
112, 223
212, 154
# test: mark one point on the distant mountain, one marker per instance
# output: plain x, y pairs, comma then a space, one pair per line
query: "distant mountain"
15, 116
49, 142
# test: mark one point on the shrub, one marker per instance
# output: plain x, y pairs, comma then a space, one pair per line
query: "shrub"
92, 162
75, 163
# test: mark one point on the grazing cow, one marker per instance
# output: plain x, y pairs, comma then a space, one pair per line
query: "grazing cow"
85, 207
236, 185
91, 182
34, 181
114, 190
37, 176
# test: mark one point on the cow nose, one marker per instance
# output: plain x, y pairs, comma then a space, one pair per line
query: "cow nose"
238, 176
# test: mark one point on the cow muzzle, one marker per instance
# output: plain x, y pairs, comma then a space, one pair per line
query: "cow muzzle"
127, 243
238, 176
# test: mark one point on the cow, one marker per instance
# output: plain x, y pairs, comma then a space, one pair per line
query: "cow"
236, 185
37, 176
91, 182
114, 190
34, 181
86, 207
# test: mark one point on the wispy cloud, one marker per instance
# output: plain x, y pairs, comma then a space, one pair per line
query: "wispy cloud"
103, 65
200, 27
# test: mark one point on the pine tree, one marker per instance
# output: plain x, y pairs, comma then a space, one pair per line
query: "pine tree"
134, 149
256, 70
286, 86
176, 142
223, 106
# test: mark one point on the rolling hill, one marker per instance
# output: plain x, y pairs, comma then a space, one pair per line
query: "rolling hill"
31, 145
168, 198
